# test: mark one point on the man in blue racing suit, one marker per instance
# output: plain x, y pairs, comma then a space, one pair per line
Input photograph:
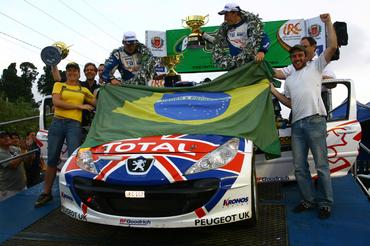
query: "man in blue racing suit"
241, 32
133, 60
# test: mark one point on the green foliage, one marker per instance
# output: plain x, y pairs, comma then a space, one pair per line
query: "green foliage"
16, 88
45, 82
18, 110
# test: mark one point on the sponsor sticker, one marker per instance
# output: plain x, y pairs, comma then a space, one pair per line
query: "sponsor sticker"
221, 220
73, 214
124, 221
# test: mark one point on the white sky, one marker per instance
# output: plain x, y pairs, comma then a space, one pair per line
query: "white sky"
95, 27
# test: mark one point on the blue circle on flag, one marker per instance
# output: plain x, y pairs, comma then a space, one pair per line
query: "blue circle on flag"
192, 105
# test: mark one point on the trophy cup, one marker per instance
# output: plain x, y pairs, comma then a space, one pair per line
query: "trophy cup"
52, 55
194, 22
172, 76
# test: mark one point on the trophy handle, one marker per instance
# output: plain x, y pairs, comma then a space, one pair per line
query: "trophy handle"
182, 23
206, 19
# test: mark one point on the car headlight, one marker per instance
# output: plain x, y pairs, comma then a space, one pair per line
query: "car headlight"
217, 158
85, 160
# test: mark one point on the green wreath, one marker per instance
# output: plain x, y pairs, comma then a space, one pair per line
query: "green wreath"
224, 59
147, 70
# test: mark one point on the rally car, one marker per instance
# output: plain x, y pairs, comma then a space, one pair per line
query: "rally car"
164, 181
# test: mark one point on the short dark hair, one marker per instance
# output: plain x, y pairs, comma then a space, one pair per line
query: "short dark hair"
311, 40
4, 134
90, 64
296, 48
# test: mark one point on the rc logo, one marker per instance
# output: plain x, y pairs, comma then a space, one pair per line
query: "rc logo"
139, 165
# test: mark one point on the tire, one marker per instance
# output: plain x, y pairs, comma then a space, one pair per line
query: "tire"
254, 198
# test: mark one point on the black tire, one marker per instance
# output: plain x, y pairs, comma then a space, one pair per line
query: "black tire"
254, 199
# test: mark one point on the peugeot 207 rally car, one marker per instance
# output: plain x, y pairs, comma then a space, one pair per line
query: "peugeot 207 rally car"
164, 181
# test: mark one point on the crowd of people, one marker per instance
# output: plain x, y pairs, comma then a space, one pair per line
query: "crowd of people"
242, 33
23, 172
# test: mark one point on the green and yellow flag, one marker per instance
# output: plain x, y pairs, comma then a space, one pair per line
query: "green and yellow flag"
237, 103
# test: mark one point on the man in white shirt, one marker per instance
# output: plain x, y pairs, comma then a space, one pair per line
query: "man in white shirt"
302, 93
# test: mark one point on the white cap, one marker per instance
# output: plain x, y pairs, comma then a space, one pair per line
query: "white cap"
129, 36
230, 7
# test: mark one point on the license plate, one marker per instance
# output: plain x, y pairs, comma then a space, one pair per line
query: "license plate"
134, 194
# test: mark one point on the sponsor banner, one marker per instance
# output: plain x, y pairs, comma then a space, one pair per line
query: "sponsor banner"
316, 29
156, 42
283, 34
291, 32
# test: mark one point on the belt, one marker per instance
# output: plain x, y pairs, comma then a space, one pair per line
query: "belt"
310, 116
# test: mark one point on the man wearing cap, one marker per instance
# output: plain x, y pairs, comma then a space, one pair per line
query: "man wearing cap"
241, 32
69, 99
133, 60
12, 176
302, 93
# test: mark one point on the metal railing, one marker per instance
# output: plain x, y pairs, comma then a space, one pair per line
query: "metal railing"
19, 156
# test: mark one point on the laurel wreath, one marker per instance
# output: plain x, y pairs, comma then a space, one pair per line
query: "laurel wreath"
224, 59
147, 70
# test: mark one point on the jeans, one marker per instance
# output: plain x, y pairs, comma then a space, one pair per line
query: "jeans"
60, 130
310, 133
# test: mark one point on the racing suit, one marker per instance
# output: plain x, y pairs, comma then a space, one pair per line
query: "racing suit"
137, 68
243, 39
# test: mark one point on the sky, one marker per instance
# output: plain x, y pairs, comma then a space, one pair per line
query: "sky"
95, 27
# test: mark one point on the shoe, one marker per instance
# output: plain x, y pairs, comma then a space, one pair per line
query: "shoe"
302, 206
43, 199
324, 213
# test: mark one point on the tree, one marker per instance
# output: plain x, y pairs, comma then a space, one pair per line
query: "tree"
45, 82
16, 88
11, 84
29, 74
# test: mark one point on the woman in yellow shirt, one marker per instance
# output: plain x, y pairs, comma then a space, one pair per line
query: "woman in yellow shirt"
69, 99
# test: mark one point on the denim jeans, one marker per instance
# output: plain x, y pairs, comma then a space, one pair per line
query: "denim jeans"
310, 133
60, 130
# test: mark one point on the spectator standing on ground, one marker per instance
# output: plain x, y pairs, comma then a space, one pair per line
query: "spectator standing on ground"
69, 99
12, 177
133, 60
34, 166
302, 93
241, 32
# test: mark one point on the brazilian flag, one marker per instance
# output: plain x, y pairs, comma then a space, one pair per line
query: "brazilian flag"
238, 103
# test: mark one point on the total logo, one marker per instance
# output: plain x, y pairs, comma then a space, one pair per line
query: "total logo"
236, 201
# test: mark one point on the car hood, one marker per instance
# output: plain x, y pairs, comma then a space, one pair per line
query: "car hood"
164, 144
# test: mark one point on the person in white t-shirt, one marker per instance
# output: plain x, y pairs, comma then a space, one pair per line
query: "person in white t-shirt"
309, 43
302, 93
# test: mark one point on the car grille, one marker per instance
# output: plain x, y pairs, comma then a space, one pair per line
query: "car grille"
160, 201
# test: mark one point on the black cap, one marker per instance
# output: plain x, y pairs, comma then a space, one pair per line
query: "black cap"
297, 48
73, 65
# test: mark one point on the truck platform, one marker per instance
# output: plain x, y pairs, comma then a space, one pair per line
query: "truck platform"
22, 224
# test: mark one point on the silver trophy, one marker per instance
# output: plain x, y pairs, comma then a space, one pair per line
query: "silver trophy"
52, 55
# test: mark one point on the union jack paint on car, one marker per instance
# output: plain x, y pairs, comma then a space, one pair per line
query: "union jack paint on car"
165, 181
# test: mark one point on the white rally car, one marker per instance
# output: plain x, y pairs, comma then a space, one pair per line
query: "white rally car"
193, 180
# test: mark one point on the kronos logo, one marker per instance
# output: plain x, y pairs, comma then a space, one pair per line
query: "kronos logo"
236, 201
